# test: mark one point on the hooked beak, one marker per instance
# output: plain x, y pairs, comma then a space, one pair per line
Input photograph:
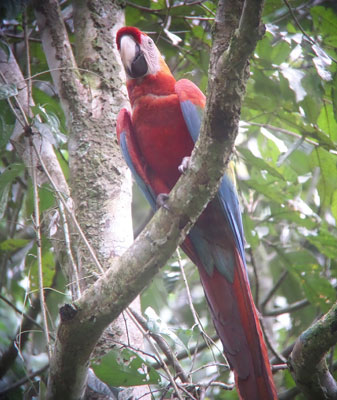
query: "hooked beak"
132, 57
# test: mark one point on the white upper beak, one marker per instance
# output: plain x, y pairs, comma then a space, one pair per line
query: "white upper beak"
128, 50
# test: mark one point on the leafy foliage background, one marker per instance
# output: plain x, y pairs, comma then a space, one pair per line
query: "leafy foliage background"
287, 183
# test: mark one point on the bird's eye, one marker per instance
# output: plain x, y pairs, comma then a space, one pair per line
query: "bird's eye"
149, 42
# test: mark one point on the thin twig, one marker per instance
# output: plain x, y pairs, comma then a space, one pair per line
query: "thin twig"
65, 228
126, 327
165, 367
215, 364
273, 290
20, 312
187, 392
285, 131
279, 367
195, 315
214, 383
24, 380
28, 66
139, 350
171, 357
10, 102
196, 318
197, 348
310, 39
25, 123
36, 220
257, 285
298, 23
14, 36
209, 341
271, 347
289, 394
288, 309
164, 10
285, 353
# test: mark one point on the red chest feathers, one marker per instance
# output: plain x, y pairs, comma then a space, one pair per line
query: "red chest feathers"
162, 135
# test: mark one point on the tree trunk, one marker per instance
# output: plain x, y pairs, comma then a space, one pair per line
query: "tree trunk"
100, 182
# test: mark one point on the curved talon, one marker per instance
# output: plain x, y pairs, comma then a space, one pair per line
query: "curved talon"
185, 164
161, 201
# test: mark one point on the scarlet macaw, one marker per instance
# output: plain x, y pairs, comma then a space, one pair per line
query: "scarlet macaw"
160, 132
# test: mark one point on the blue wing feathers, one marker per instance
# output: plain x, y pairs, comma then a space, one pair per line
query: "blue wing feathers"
229, 201
147, 191
211, 254
192, 116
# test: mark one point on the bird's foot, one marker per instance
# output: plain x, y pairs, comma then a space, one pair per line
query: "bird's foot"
161, 201
185, 164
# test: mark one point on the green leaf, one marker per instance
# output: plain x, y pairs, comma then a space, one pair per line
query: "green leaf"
271, 51
48, 265
312, 102
334, 205
188, 336
156, 325
322, 62
171, 277
327, 120
325, 20
317, 289
123, 368
288, 213
260, 163
46, 198
325, 242
8, 90
328, 176
132, 16
5, 133
50, 104
268, 149
13, 244
6, 179
250, 233
273, 189
50, 128
4, 46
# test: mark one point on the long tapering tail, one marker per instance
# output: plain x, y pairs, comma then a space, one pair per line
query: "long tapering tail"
237, 324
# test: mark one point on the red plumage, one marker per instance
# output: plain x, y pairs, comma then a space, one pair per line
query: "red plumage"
157, 135
128, 30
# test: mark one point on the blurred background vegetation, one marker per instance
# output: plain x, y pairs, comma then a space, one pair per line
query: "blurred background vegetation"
286, 168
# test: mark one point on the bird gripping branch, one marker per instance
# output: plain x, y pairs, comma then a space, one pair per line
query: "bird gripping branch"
155, 138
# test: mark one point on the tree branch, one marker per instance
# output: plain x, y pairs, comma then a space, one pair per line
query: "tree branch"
59, 55
307, 360
288, 309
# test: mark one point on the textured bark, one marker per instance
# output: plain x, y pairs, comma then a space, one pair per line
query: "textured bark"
307, 360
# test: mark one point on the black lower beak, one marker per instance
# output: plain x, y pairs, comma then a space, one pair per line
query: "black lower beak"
139, 66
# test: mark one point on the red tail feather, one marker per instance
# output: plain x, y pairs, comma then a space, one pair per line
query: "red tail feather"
236, 321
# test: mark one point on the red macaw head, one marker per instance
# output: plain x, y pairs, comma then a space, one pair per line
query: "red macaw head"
139, 54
